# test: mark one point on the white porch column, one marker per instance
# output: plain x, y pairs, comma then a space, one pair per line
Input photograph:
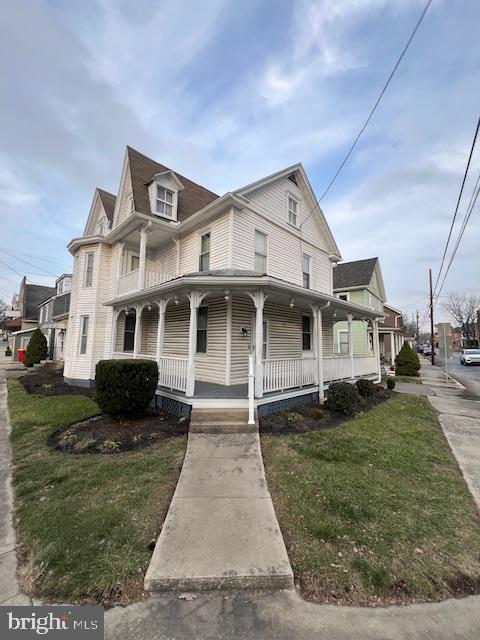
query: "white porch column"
376, 347
350, 343
392, 348
259, 301
162, 308
195, 298
138, 330
319, 341
119, 265
115, 314
143, 258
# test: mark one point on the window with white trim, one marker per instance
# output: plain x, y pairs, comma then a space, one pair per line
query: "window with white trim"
343, 343
164, 204
306, 333
202, 329
306, 270
83, 334
88, 275
204, 260
129, 332
134, 262
292, 211
260, 252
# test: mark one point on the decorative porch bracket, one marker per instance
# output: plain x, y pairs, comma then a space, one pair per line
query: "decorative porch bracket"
195, 298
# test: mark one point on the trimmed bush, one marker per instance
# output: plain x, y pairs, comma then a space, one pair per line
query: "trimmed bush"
407, 362
37, 348
342, 398
365, 387
391, 383
125, 388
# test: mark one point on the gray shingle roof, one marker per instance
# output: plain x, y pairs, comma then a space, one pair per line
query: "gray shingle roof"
108, 201
353, 274
190, 199
35, 294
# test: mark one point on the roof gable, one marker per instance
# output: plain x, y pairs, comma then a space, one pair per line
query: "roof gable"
298, 178
103, 203
358, 273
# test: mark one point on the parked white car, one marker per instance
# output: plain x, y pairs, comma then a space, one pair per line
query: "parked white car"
470, 356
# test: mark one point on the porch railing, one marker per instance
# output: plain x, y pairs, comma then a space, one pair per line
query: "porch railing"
365, 365
172, 373
337, 368
279, 375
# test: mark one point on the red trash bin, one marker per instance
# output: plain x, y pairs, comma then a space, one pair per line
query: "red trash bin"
21, 355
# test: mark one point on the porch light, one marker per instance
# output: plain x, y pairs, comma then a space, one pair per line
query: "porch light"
149, 307
292, 303
227, 296
176, 301
244, 331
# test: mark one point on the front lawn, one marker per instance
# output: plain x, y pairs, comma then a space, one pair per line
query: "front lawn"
85, 522
376, 511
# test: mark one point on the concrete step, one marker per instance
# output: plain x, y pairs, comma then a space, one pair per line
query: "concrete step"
219, 421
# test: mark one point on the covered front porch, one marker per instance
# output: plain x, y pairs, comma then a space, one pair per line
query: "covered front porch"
227, 344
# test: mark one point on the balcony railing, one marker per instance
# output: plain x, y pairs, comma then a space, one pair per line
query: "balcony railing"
130, 281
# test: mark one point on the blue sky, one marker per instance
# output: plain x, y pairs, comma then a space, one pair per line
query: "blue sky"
227, 92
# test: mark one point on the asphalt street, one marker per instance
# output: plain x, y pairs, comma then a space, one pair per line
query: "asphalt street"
469, 376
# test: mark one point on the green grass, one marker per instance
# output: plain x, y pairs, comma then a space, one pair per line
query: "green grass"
415, 380
376, 511
85, 521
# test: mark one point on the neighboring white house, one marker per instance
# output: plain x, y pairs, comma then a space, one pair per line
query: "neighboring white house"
169, 271
53, 317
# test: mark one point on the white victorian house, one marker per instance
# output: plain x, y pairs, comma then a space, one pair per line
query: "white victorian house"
221, 291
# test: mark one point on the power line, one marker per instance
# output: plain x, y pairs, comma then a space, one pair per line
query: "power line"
29, 263
458, 204
468, 213
11, 268
29, 255
372, 111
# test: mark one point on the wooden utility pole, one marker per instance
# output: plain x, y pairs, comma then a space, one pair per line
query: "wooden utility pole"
418, 335
432, 334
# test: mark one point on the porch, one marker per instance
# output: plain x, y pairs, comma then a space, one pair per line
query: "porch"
234, 347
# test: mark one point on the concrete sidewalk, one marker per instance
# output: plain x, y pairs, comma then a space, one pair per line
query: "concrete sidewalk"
221, 530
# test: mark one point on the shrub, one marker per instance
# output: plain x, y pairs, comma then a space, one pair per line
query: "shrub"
316, 413
125, 388
365, 387
391, 383
294, 417
407, 362
37, 348
342, 397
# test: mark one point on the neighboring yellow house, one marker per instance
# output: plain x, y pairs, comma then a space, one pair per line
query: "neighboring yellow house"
361, 283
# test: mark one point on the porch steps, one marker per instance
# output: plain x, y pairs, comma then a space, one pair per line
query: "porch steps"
221, 421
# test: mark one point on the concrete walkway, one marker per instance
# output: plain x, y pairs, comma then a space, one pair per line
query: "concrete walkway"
9, 588
221, 530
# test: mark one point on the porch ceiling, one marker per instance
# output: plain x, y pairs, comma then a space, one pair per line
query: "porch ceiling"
246, 282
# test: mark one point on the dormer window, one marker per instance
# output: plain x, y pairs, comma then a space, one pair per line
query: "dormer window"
164, 202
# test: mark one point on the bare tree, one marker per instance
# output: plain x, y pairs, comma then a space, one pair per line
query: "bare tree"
463, 310
3, 310
409, 326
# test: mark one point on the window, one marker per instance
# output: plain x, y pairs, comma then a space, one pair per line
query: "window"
134, 262
83, 334
60, 287
129, 333
343, 296
204, 262
306, 333
164, 202
260, 252
292, 211
343, 342
306, 270
88, 269
202, 326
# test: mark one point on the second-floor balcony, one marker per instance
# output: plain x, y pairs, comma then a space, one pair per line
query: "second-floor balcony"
132, 281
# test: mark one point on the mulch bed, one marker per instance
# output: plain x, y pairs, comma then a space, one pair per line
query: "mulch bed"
48, 381
105, 435
307, 417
